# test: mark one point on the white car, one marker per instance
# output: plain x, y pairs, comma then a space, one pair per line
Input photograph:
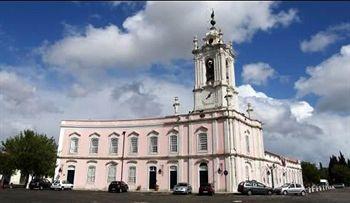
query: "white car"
291, 188
61, 185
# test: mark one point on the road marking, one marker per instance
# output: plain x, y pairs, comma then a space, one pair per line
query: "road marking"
237, 201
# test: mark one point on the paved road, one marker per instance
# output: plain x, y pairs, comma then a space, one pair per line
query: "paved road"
22, 195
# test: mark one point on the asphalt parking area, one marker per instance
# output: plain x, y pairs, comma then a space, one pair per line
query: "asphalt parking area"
37, 196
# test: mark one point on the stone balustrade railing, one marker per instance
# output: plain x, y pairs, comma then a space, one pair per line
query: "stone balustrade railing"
318, 188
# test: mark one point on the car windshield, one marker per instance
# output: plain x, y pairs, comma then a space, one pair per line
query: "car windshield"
285, 185
182, 184
56, 181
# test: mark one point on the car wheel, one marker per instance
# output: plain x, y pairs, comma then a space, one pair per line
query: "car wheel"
302, 193
269, 192
249, 193
285, 192
41, 188
62, 188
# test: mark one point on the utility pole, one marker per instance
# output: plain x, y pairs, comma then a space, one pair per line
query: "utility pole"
121, 175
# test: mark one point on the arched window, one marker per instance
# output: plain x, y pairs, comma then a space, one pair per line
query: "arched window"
173, 143
91, 174
247, 143
153, 144
94, 145
73, 145
133, 145
112, 171
132, 175
113, 147
209, 64
202, 142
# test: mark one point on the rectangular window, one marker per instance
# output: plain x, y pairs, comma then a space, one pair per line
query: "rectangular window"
202, 141
247, 143
112, 170
153, 144
132, 175
113, 148
173, 143
91, 174
73, 145
133, 144
94, 146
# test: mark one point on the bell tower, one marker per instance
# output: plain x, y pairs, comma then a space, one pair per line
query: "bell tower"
214, 72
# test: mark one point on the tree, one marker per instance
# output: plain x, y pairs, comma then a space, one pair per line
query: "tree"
310, 173
341, 174
332, 162
32, 153
7, 167
342, 159
323, 172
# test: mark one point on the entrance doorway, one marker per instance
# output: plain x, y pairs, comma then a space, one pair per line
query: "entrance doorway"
152, 177
70, 174
203, 174
173, 176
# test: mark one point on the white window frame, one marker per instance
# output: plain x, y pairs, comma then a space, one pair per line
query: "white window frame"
131, 151
111, 149
71, 150
91, 150
114, 176
171, 144
151, 147
132, 177
91, 178
199, 144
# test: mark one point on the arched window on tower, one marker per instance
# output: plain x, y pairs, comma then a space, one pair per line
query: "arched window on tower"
209, 65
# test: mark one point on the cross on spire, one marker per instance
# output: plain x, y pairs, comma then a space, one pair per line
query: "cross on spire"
212, 21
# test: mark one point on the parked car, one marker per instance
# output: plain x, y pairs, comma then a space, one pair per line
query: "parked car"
339, 185
39, 183
250, 187
290, 188
118, 186
61, 185
206, 189
182, 188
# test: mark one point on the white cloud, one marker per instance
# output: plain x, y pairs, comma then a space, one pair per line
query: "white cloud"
257, 73
330, 81
292, 128
160, 33
301, 110
321, 40
139, 97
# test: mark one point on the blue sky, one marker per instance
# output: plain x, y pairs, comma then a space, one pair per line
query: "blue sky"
37, 52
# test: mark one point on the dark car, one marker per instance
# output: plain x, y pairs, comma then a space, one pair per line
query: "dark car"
250, 187
39, 183
118, 186
206, 189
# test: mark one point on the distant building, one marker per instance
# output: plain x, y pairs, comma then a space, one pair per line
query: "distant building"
215, 143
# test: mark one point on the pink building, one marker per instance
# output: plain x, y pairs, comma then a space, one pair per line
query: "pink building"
214, 143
